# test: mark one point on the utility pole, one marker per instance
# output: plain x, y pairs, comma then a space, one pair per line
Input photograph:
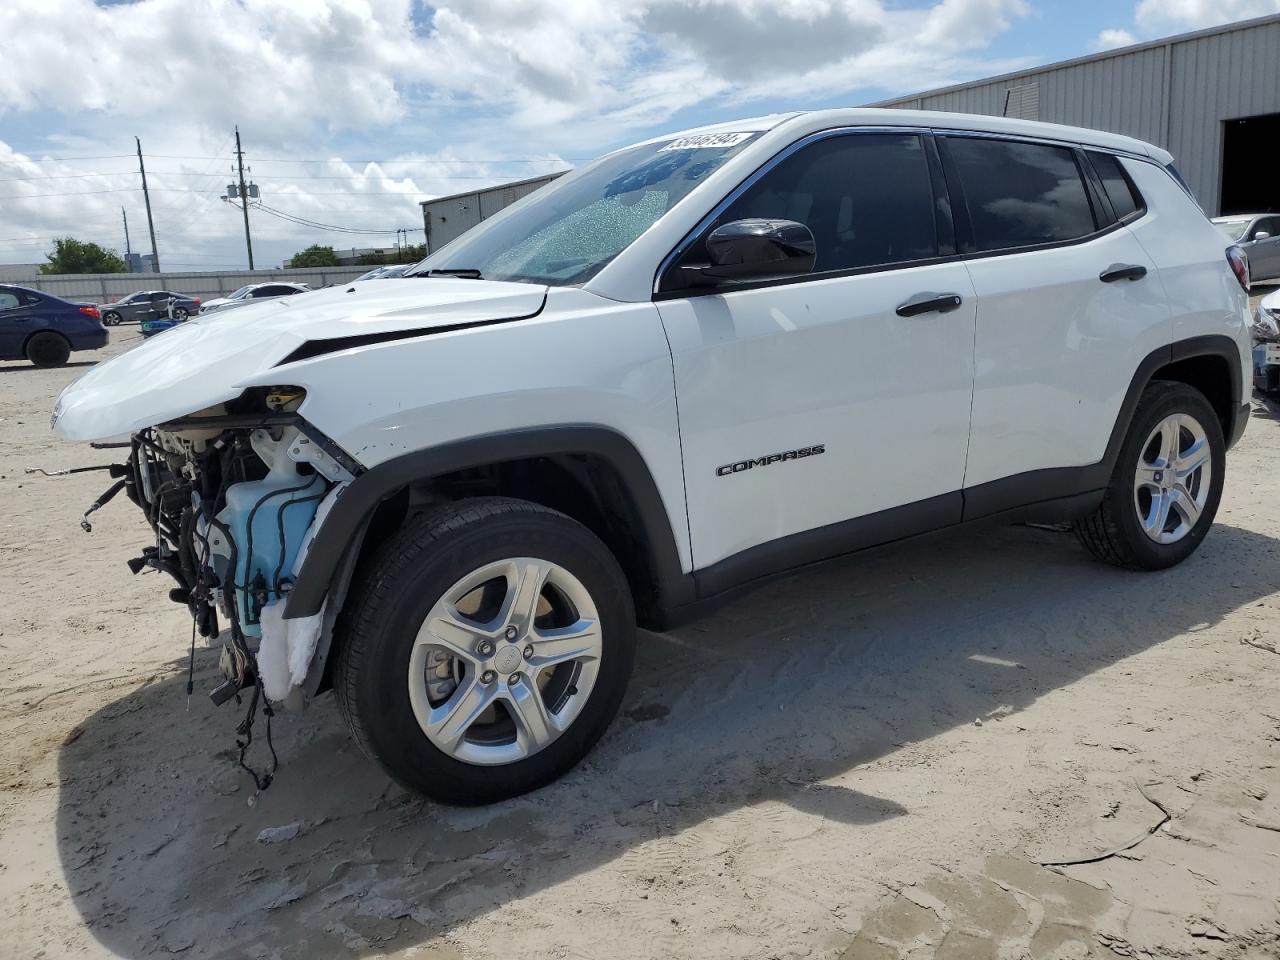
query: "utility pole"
127, 249
244, 198
155, 256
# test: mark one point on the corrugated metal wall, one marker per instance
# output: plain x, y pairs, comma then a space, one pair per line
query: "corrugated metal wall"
1175, 94
106, 287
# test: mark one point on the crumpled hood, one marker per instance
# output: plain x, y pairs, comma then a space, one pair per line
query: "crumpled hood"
206, 360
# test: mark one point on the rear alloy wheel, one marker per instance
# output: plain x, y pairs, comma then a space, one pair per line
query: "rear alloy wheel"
111, 318
48, 349
486, 651
1172, 480
180, 313
1166, 486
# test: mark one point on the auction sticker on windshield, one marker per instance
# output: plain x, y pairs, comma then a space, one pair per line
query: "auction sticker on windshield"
705, 140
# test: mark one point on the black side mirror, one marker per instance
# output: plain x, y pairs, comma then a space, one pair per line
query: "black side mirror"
755, 249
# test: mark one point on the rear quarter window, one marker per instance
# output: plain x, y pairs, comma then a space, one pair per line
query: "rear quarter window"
1124, 196
1018, 194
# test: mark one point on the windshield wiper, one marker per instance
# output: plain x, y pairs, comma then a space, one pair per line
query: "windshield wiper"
467, 273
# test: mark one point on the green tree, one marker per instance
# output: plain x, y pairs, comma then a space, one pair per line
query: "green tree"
314, 256
78, 256
409, 254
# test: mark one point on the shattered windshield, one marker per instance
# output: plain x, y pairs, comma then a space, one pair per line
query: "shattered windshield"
568, 230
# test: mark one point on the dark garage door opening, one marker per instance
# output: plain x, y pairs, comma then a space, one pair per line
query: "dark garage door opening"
1249, 180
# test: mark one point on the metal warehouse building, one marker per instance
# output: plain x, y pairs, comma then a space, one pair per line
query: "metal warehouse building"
1211, 98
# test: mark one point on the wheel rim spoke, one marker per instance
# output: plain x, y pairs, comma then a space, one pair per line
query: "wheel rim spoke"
448, 629
1185, 504
450, 722
1146, 476
535, 726
1157, 516
578, 641
1169, 441
1192, 459
525, 581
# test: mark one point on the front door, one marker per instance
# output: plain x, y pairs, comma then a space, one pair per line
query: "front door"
810, 407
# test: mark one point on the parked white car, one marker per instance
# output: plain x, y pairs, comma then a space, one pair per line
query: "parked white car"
252, 293
695, 363
1266, 344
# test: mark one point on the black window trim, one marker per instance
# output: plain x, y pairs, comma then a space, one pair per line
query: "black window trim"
1136, 214
943, 228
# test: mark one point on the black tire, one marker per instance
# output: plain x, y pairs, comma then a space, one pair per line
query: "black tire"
180, 313
48, 349
410, 573
1114, 533
111, 319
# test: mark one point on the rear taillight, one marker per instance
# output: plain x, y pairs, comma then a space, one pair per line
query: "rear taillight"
196, 301
1239, 266
91, 311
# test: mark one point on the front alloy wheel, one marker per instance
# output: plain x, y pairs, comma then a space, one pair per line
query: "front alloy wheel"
485, 650
505, 661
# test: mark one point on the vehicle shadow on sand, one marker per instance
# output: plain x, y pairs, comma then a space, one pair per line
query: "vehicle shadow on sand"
792, 685
22, 366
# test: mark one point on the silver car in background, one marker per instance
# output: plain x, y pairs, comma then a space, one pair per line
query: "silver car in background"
253, 293
1258, 235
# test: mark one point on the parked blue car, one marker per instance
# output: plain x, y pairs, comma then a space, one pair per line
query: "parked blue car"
45, 329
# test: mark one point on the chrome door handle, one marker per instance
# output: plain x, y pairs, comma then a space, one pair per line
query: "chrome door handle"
1122, 271
929, 303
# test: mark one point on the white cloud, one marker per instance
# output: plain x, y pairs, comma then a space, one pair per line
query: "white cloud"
1112, 38
1163, 16
476, 79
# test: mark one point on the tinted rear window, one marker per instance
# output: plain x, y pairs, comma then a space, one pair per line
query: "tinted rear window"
1019, 194
1122, 194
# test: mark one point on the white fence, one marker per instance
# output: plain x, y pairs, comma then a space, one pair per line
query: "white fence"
108, 287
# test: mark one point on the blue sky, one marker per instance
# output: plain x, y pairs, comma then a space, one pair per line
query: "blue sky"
447, 97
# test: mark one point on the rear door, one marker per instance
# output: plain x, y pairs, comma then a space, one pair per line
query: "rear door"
810, 404
1068, 306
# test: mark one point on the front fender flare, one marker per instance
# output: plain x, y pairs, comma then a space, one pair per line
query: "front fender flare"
330, 559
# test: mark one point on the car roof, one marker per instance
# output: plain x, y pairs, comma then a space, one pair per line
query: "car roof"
812, 121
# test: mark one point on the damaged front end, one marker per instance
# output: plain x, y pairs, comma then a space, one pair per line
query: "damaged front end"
235, 494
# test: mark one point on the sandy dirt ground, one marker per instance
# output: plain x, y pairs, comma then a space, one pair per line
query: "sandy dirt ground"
864, 762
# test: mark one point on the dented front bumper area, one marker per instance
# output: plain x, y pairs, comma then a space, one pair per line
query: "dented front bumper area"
235, 495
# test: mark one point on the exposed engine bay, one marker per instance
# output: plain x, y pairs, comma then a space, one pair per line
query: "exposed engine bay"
233, 493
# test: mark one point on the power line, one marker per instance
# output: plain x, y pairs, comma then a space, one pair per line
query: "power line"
314, 224
112, 156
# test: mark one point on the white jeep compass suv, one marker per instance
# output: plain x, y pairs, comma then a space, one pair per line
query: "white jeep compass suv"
697, 362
